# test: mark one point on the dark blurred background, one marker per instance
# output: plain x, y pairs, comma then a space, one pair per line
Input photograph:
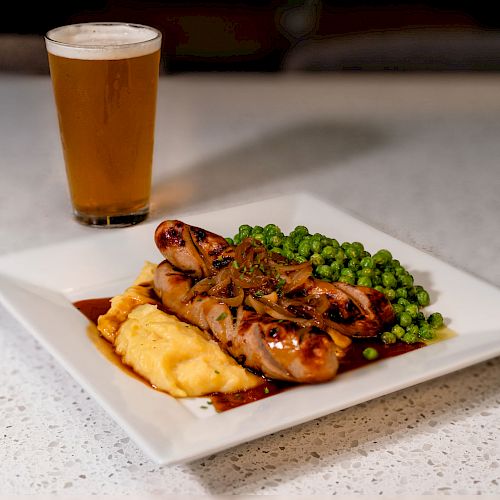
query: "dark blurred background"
274, 35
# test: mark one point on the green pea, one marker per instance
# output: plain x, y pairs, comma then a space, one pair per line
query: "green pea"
347, 279
324, 271
237, 239
401, 293
436, 320
406, 280
316, 246
245, 231
301, 230
382, 257
413, 329
358, 246
352, 252
404, 302
399, 270
316, 259
335, 275
258, 237
370, 353
347, 272
257, 230
297, 240
336, 267
304, 249
230, 241
397, 308
288, 244
398, 330
332, 242
328, 253
353, 264
345, 245
275, 240
276, 250
271, 230
423, 298
405, 319
340, 256
389, 280
412, 310
317, 236
388, 338
409, 338
364, 281
299, 259
426, 332
390, 294
288, 254
420, 317
366, 271
367, 262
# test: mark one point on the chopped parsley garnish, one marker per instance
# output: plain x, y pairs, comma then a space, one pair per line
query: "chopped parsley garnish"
280, 285
221, 316
266, 390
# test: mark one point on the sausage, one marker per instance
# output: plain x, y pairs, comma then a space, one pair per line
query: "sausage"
193, 250
355, 311
278, 349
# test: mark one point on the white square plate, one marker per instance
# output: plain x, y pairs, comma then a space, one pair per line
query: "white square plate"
38, 286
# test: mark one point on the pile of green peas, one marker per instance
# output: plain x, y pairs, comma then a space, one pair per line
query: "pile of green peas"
352, 263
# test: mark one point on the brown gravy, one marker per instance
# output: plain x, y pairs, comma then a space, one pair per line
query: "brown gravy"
93, 308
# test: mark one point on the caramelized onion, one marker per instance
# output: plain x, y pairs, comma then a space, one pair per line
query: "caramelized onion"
261, 280
275, 310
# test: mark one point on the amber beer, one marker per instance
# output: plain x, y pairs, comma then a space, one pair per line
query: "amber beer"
105, 77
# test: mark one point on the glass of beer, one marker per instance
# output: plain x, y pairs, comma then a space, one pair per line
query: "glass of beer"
105, 78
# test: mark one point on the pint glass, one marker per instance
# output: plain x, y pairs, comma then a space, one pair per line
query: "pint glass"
105, 78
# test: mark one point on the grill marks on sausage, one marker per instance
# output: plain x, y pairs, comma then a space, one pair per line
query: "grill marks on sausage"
221, 263
171, 237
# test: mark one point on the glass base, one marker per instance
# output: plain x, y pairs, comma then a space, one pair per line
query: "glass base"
111, 221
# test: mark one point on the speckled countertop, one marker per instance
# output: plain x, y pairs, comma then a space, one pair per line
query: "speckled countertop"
415, 155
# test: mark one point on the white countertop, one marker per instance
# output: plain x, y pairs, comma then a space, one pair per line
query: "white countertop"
415, 155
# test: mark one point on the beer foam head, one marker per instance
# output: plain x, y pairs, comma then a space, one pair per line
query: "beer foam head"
104, 41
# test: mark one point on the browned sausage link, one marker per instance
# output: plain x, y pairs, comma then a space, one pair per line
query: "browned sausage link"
284, 350
355, 311
191, 249
214, 249
279, 350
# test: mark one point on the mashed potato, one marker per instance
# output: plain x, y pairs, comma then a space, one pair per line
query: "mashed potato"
173, 356
177, 357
